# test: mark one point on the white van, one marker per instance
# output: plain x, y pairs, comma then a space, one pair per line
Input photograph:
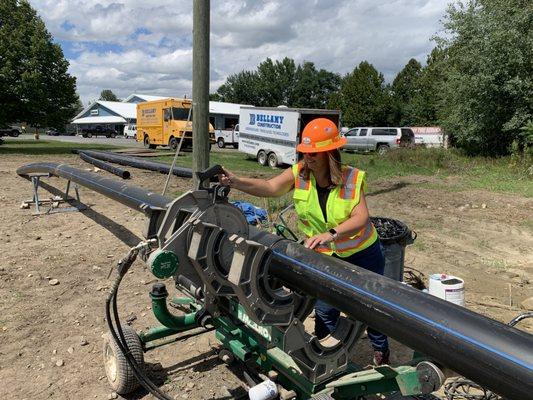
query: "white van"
130, 131
271, 134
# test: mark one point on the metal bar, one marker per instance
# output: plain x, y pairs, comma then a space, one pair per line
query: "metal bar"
67, 190
35, 183
175, 159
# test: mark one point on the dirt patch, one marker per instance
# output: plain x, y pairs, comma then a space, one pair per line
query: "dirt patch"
50, 335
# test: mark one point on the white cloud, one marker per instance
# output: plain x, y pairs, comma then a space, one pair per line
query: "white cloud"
134, 45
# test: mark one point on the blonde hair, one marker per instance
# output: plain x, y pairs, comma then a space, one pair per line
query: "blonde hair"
335, 168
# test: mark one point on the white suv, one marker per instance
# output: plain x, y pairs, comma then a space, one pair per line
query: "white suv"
380, 140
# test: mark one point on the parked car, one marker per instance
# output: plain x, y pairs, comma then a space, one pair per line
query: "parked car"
99, 131
10, 130
380, 140
130, 131
52, 132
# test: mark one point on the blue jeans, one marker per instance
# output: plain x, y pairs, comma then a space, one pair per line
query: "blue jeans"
326, 316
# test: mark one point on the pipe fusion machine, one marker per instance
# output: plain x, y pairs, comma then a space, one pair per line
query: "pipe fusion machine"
256, 289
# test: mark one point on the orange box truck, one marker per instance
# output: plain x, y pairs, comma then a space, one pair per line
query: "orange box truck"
164, 122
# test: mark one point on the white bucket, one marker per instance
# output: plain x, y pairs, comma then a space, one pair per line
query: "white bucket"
448, 287
266, 390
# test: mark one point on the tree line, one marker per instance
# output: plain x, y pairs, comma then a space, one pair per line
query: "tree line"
35, 86
477, 83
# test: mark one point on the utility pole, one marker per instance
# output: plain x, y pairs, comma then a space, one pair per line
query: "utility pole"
200, 87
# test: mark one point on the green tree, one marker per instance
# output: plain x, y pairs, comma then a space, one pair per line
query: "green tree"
313, 88
34, 83
240, 88
425, 103
405, 87
363, 98
488, 73
277, 83
108, 95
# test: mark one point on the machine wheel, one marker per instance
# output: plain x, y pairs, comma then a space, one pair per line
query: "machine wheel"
119, 372
272, 160
113, 135
14, 133
382, 149
220, 143
262, 157
89, 135
173, 143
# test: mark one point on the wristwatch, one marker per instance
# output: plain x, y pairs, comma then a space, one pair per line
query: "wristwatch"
333, 233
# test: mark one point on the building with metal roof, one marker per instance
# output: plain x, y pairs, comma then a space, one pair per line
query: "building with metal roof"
117, 114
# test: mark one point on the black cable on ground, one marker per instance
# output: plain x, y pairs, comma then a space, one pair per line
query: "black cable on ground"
111, 302
465, 389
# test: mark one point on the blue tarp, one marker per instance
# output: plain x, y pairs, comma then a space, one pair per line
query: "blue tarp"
254, 215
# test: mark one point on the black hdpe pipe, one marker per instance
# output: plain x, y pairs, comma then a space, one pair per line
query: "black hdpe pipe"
132, 196
490, 353
105, 166
137, 163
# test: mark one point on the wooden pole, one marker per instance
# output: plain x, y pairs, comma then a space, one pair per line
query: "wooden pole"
200, 87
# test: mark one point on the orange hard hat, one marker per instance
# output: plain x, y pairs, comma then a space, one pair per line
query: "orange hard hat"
321, 134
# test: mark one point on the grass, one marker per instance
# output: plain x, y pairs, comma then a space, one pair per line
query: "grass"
44, 147
450, 169
453, 170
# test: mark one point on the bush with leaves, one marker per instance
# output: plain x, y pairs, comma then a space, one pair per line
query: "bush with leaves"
488, 74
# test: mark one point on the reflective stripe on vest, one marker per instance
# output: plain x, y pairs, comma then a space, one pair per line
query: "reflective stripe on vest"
349, 243
300, 182
349, 177
343, 197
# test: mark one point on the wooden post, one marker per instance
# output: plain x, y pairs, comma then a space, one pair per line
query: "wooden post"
200, 87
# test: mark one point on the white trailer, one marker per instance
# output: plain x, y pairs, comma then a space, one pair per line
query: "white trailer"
271, 134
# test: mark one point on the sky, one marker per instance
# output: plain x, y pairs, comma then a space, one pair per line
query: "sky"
135, 46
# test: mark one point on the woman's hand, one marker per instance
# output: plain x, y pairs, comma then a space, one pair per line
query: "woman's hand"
323, 238
228, 178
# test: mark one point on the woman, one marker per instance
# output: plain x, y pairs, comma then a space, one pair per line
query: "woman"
330, 202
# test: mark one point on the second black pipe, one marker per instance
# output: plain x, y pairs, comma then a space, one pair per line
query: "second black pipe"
105, 166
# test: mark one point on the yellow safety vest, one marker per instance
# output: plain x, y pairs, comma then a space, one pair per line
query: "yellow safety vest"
341, 201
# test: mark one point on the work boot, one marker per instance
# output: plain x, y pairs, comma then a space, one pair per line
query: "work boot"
381, 357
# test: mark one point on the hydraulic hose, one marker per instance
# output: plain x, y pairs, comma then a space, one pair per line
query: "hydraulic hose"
118, 334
